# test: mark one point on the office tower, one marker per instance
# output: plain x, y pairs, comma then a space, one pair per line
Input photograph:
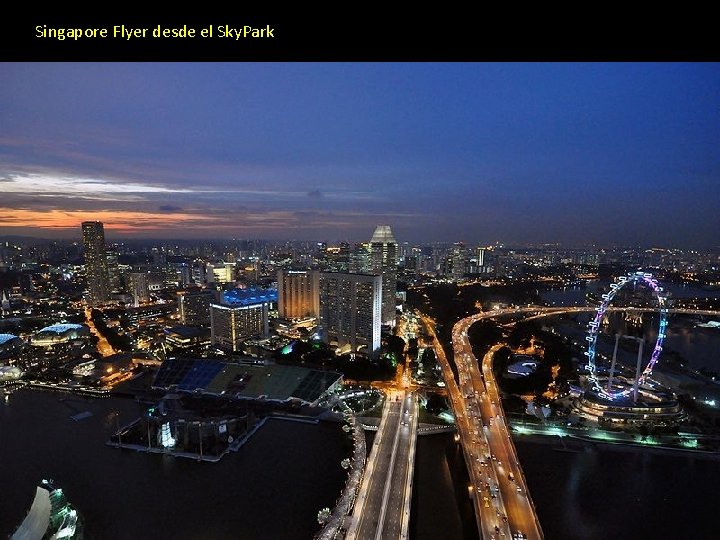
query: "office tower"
350, 310
195, 307
198, 271
140, 287
359, 259
458, 261
383, 261
230, 325
480, 257
298, 293
96, 269
111, 256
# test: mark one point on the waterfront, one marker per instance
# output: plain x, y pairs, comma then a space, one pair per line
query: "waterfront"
611, 491
272, 488
441, 507
698, 346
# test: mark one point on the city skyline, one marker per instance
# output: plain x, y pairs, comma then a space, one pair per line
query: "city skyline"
516, 153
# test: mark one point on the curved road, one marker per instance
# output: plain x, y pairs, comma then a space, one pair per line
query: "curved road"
502, 502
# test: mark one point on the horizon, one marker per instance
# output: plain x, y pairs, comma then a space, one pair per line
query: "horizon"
569, 153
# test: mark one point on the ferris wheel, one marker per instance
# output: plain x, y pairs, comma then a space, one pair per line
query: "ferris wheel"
594, 328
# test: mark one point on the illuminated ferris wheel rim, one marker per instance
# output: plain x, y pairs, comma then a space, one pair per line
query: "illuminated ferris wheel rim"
594, 328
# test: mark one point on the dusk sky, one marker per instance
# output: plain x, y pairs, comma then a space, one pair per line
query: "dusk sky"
515, 153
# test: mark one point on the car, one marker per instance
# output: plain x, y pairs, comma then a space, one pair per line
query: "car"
518, 489
511, 477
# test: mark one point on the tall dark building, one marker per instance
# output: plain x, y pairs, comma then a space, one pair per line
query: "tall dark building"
383, 261
350, 308
111, 255
96, 269
195, 307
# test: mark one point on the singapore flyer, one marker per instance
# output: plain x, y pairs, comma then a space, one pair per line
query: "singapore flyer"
594, 328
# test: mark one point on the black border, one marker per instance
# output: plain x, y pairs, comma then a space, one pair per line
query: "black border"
355, 32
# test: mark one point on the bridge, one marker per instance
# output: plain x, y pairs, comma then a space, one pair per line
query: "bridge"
382, 507
500, 496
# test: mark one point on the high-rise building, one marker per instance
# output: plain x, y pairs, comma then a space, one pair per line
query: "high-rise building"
359, 260
351, 310
230, 325
383, 261
298, 293
458, 261
96, 269
111, 256
480, 257
195, 307
140, 287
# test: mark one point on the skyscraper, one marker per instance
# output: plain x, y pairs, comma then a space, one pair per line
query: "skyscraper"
140, 287
298, 293
458, 261
111, 256
383, 261
350, 310
96, 270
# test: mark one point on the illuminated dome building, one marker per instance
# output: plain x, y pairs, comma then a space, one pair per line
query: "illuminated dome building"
59, 333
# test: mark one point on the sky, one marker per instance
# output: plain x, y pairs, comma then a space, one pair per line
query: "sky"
611, 154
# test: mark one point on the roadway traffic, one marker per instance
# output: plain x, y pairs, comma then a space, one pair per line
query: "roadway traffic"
500, 494
502, 502
382, 509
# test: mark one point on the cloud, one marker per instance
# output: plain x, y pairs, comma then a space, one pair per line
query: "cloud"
169, 208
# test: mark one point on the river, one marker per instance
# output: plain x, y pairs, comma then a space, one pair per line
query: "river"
272, 488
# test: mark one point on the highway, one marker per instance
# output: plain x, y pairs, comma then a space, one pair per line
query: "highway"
501, 499
382, 509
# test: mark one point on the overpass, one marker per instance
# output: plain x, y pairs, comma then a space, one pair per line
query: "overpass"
500, 495
382, 507
501, 498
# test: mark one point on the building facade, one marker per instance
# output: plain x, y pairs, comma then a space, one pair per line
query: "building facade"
351, 310
384, 261
231, 325
194, 307
298, 293
96, 269
140, 287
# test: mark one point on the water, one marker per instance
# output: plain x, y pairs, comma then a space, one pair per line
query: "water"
272, 488
575, 296
621, 492
441, 507
700, 347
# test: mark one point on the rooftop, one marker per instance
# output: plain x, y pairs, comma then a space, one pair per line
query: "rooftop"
4, 338
61, 328
246, 297
274, 382
383, 234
